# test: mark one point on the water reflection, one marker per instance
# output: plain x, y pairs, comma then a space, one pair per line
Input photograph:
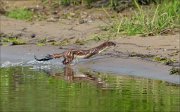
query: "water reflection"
70, 90
71, 75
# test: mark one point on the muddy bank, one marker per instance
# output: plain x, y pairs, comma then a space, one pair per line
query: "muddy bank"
32, 32
24, 55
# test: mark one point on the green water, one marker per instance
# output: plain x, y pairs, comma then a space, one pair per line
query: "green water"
26, 90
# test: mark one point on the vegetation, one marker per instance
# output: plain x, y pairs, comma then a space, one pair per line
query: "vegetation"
13, 41
157, 19
42, 42
114, 4
79, 42
70, 2
152, 20
164, 60
20, 13
61, 43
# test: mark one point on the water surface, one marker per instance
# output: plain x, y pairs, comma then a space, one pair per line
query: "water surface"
83, 90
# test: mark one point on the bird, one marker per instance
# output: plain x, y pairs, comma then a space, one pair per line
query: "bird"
70, 54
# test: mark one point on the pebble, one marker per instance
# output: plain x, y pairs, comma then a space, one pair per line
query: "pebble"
33, 35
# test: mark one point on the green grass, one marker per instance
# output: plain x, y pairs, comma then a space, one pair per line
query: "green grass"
150, 21
76, 2
164, 60
20, 13
69, 2
61, 43
14, 41
42, 42
101, 37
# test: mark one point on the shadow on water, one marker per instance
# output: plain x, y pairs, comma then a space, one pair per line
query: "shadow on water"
73, 76
82, 90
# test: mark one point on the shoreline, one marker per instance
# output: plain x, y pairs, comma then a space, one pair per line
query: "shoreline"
101, 63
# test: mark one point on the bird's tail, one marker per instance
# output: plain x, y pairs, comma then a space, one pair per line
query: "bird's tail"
48, 57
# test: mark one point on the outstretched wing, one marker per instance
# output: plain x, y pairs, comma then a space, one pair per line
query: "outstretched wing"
92, 53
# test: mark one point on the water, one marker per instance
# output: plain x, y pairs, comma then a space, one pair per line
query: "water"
72, 89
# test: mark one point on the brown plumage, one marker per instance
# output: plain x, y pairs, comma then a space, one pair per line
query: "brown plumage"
70, 54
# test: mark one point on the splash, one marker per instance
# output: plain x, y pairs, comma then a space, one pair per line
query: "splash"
9, 64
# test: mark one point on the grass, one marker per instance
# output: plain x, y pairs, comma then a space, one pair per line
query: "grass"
13, 41
79, 42
21, 14
42, 42
113, 4
151, 21
61, 43
69, 2
76, 2
95, 37
164, 60
102, 37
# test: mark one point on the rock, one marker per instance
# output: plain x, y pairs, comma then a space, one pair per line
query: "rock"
81, 21
24, 29
33, 35
52, 19
51, 40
